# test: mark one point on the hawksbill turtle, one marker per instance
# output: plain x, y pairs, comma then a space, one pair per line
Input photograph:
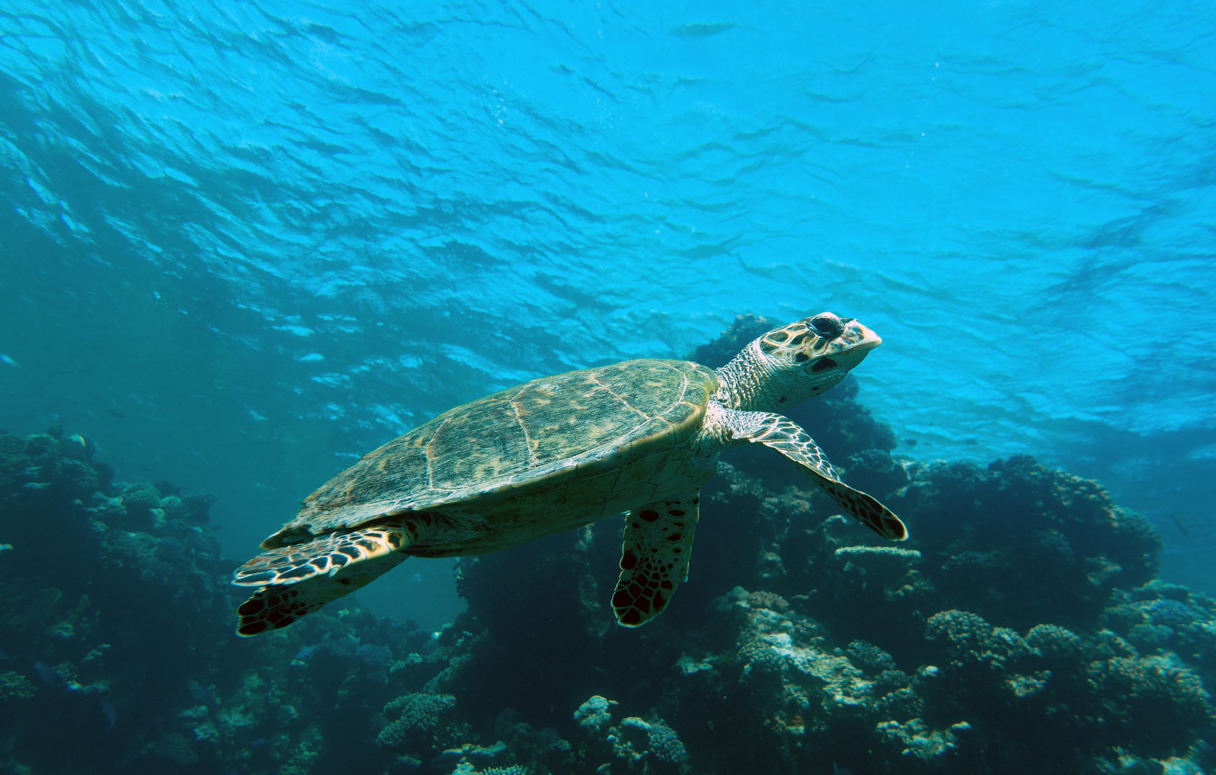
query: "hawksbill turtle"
558, 453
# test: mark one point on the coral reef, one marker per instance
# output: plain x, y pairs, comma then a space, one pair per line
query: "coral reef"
115, 621
418, 722
1020, 629
1061, 688
1006, 537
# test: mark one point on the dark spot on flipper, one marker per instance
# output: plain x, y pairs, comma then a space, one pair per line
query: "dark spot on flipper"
251, 606
676, 513
631, 617
649, 515
675, 536
628, 560
251, 629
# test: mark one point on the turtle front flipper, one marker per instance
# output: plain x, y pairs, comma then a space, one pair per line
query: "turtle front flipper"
654, 558
299, 579
788, 438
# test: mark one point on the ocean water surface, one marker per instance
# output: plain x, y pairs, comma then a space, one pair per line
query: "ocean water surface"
242, 244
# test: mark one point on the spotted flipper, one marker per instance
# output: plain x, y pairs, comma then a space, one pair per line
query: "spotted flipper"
275, 607
788, 438
654, 558
296, 580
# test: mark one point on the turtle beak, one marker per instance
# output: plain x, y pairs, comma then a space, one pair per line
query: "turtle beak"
857, 343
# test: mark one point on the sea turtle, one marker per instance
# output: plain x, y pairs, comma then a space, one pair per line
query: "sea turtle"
558, 453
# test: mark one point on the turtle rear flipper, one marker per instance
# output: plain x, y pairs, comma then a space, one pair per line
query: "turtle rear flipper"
654, 558
299, 579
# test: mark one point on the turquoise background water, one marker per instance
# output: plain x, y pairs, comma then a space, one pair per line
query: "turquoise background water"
243, 243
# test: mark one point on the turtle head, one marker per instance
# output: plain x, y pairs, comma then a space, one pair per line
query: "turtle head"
790, 364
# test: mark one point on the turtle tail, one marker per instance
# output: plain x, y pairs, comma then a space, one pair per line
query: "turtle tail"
296, 580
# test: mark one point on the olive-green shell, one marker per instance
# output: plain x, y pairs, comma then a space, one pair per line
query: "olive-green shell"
516, 440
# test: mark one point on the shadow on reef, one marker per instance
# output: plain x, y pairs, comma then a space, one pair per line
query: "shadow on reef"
1020, 629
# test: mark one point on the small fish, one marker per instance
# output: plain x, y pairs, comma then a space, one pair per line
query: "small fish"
1180, 523
305, 654
55, 680
49, 676
116, 413
110, 712
5, 359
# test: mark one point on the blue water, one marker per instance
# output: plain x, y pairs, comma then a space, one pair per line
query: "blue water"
244, 243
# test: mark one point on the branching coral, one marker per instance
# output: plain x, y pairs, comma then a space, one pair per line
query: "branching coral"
414, 720
1023, 542
646, 746
594, 714
15, 686
1162, 703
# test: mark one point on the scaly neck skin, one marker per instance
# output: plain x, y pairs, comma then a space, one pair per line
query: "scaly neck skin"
748, 382
754, 382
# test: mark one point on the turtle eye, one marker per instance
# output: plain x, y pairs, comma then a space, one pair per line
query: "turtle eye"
826, 325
